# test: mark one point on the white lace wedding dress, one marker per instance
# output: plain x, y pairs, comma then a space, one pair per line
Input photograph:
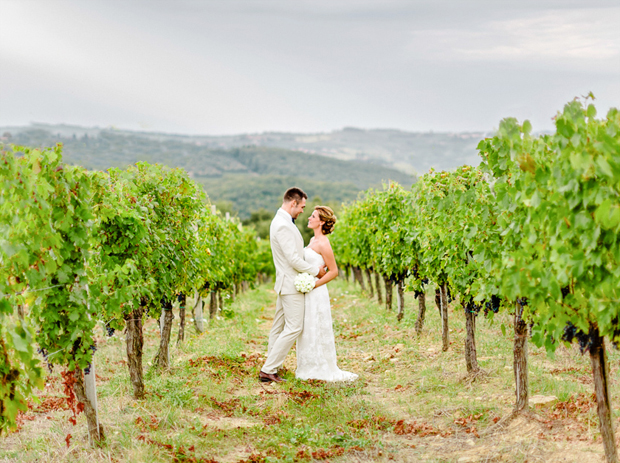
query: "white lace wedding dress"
316, 347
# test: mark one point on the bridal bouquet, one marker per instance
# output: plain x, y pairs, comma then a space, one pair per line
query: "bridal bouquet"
304, 283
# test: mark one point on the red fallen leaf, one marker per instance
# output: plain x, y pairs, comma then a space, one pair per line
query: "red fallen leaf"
191, 449
154, 423
68, 440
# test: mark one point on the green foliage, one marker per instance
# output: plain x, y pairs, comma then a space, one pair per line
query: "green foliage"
352, 235
76, 246
375, 233
393, 249
454, 221
45, 214
561, 215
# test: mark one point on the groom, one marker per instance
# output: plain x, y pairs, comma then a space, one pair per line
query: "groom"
287, 247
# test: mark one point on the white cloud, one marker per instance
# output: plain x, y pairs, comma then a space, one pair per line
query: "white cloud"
570, 36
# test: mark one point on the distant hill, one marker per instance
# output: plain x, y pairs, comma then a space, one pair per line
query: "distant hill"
410, 152
251, 177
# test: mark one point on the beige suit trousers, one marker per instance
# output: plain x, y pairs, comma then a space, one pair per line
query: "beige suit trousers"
288, 323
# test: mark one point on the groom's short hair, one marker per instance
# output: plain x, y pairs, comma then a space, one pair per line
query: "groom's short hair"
294, 194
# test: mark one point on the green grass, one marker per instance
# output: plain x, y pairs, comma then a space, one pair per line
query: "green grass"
210, 406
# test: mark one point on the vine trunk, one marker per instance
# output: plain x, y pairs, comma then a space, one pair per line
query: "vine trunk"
419, 324
162, 360
388, 293
520, 360
378, 286
445, 335
183, 301
400, 294
369, 276
471, 357
134, 342
212, 305
601, 387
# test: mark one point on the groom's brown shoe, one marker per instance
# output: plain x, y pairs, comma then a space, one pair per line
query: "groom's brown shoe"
268, 378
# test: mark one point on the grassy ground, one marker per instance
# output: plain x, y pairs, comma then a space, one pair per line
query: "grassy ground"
411, 403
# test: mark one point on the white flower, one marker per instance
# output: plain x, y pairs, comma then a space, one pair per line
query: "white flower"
304, 283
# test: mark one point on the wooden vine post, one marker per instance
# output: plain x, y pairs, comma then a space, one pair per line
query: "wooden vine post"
86, 392
198, 313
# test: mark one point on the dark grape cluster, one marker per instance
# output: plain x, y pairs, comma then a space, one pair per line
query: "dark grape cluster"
565, 291
473, 306
492, 305
45, 354
571, 333
109, 330
93, 347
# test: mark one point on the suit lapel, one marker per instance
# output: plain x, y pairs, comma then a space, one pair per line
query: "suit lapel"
289, 223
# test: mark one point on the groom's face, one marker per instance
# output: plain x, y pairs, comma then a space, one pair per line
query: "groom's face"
298, 208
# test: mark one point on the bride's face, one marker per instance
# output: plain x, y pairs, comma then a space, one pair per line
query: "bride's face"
314, 220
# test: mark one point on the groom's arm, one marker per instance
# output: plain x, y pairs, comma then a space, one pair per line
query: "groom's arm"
286, 239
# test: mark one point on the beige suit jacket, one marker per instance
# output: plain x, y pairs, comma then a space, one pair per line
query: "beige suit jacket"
287, 248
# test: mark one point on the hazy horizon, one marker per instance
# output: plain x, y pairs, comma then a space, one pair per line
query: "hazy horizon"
38, 124
249, 67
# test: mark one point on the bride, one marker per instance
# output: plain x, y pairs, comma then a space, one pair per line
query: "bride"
316, 347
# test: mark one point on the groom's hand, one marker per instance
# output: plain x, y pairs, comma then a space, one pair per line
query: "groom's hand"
321, 273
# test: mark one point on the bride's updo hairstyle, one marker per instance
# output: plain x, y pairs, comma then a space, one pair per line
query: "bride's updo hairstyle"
326, 215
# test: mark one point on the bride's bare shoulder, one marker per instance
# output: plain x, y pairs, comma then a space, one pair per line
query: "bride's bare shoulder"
323, 244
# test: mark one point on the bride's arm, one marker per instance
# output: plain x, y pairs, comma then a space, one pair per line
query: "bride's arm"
330, 262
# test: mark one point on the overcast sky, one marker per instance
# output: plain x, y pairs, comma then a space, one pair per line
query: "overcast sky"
223, 67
